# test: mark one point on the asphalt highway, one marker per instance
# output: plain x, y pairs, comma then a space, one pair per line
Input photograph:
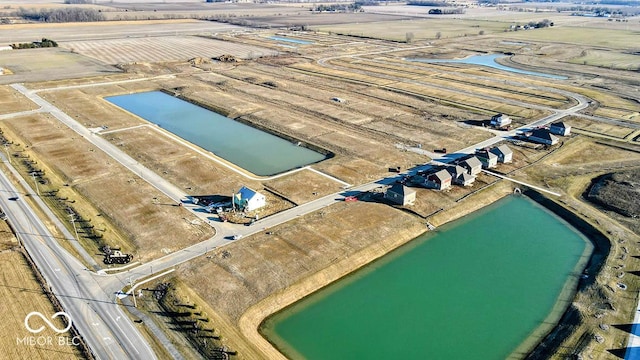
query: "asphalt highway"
101, 322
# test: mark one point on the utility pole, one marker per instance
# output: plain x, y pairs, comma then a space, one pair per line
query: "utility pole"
133, 293
6, 148
33, 175
73, 222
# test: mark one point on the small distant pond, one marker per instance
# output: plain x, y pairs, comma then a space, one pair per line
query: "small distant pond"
475, 289
490, 61
286, 39
518, 43
257, 151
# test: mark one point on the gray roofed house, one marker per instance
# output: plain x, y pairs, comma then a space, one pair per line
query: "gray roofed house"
465, 179
400, 195
504, 153
460, 175
472, 164
543, 136
487, 158
560, 128
439, 180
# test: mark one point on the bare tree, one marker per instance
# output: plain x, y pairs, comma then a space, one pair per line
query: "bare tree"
438, 35
409, 37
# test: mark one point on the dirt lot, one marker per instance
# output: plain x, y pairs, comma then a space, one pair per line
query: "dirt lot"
121, 205
29, 65
22, 294
12, 101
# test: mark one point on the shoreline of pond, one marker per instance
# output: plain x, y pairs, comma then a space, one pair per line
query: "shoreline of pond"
253, 318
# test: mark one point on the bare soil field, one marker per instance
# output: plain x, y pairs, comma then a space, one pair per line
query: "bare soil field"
162, 49
61, 32
22, 294
12, 101
29, 65
121, 204
599, 127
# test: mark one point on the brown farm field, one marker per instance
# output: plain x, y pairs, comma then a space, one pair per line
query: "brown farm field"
118, 204
22, 294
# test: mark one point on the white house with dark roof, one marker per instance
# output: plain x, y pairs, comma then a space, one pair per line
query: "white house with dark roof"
400, 195
487, 158
472, 164
560, 128
248, 200
500, 120
542, 136
504, 153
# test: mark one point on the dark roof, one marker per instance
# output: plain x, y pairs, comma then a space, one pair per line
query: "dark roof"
401, 189
559, 124
543, 134
486, 154
456, 170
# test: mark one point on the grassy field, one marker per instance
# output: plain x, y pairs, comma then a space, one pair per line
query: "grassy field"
422, 29
585, 36
609, 59
599, 127
159, 49
12, 101
43, 64
121, 211
21, 294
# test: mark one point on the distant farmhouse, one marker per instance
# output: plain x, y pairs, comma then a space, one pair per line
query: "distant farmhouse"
400, 194
560, 128
248, 200
542, 136
500, 121
504, 153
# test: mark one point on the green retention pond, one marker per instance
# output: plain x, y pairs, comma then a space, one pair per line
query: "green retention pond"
477, 288
257, 151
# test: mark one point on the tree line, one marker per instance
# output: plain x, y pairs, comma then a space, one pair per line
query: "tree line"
36, 44
60, 15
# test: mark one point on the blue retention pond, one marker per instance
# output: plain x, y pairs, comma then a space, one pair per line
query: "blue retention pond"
257, 151
286, 39
490, 61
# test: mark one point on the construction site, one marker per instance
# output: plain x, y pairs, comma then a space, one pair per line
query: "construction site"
360, 98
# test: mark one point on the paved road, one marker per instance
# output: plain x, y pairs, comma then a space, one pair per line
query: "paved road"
101, 322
